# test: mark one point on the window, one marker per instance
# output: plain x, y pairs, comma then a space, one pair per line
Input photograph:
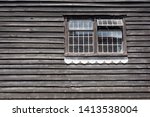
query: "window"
95, 37
80, 36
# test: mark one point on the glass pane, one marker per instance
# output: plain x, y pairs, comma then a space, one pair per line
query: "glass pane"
100, 40
104, 40
100, 48
80, 48
70, 48
109, 40
115, 48
110, 48
86, 49
81, 40
91, 49
119, 48
86, 40
105, 48
119, 41
75, 49
90, 40
81, 24
114, 40
70, 40
75, 40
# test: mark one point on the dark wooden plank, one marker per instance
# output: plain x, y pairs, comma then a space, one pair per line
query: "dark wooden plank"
74, 96
75, 72
28, 34
138, 27
72, 77
74, 89
138, 32
74, 83
49, 4
31, 51
139, 49
32, 56
138, 38
82, 1
85, 67
138, 44
34, 23
32, 29
79, 9
56, 19
57, 40
31, 45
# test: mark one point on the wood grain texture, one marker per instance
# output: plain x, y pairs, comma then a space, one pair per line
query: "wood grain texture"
32, 51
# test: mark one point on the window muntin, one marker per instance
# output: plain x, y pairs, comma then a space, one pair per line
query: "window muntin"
80, 36
95, 37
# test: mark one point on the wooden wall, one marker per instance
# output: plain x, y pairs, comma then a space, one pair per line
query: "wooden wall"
32, 51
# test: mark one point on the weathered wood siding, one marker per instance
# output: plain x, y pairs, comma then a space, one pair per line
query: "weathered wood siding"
32, 51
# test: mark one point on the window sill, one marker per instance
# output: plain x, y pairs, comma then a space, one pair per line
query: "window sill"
94, 60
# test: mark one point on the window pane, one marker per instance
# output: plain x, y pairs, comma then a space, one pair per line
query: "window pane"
110, 48
115, 48
109, 40
75, 40
85, 24
70, 48
86, 49
75, 49
80, 48
81, 41
90, 48
70, 40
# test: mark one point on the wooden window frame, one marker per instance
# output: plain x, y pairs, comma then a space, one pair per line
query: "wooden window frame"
95, 40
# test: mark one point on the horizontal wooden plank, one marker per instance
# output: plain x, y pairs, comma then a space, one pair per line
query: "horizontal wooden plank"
138, 27
139, 49
138, 38
31, 45
53, 40
29, 14
137, 19
74, 9
32, 56
138, 44
138, 23
81, 1
28, 34
75, 72
49, 4
74, 89
34, 23
74, 96
56, 19
72, 77
32, 29
138, 32
81, 67
32, 51
139, 55
74, 83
